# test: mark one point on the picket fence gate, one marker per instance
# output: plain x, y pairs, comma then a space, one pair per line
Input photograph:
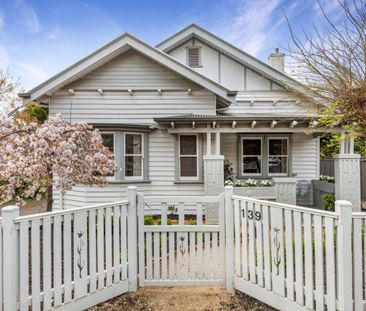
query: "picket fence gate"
290, 257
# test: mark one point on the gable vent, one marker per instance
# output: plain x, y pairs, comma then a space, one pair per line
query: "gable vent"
194, 56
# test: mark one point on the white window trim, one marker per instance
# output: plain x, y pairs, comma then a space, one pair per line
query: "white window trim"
188, 156
114, 177
242, 155
286, 156
133, 155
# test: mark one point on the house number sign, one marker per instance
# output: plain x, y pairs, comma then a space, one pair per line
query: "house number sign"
252, 215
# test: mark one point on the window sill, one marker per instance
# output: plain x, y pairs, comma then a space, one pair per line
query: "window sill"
188, 182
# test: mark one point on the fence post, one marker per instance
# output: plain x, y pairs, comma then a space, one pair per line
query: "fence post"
229, 225
132, 237
10, 260
344, 254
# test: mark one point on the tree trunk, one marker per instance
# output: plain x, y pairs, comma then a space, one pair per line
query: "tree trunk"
49, 198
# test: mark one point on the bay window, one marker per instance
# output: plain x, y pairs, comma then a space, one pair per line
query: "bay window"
264, 155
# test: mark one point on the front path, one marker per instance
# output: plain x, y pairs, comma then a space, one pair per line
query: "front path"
182, 298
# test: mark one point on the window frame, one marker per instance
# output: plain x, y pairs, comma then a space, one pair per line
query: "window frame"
242, 155
197, 155
124, 155
265, 154
199, 56
287, 138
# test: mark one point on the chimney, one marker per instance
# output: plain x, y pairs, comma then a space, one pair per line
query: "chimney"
277, 60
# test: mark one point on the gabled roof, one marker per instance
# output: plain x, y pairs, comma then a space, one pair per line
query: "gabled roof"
194, 31
111, 50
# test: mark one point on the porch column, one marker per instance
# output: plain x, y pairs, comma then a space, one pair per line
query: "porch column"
347, 174
213, 166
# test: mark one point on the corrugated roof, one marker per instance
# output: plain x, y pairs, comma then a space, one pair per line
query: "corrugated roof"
236, 117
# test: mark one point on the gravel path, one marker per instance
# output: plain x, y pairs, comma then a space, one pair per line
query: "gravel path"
182, 298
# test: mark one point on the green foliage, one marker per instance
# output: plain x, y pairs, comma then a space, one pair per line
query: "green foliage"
329, 145
36, 112
169, 222
329, 201
192, 222
148, 221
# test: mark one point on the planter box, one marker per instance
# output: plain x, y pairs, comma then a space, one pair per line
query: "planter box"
320, 188
266, 193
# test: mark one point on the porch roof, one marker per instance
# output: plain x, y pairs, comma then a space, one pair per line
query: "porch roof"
236, 117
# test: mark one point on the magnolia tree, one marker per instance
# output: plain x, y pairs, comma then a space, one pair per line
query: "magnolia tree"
36, 156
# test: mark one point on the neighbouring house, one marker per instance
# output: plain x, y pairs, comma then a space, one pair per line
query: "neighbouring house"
172, 113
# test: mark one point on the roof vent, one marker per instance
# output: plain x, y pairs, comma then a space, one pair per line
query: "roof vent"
194, 56
277, 60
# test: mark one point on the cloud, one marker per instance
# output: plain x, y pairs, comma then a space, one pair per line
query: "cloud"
28, 16
4, 57
250, 27
32, 74
55, 33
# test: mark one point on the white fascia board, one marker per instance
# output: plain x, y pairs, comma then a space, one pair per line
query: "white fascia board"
111, 50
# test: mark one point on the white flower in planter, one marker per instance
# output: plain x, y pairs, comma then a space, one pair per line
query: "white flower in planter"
229, 182
251, 182
238, 183
265, 183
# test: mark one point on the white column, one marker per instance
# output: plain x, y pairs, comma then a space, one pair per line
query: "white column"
347, 174
208, 145
217, 143
213, 168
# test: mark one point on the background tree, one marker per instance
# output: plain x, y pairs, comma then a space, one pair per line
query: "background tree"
9, 100
331, 64
32, 113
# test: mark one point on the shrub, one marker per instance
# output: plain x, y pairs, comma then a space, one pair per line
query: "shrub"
329, 201
148, 220
326, 178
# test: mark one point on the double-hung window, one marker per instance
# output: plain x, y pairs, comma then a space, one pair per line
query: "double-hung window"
188, 157
252, 156
277, 156
133, 155
130, 153
264, 155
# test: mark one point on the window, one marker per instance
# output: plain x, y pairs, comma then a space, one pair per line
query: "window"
264, 155
194, 56
188, 157
130, 153
252, 156
133, 156
277, 156
108, 141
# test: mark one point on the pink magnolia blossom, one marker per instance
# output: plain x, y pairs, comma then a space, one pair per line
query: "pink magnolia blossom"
35, 156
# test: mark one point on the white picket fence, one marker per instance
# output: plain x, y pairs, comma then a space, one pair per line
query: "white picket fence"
290, 257
182, 253
296, 258
68, 260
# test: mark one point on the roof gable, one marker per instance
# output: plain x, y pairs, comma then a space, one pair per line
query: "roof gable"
110, 51
194, 31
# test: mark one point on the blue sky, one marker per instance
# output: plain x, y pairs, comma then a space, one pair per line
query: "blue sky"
40, 38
